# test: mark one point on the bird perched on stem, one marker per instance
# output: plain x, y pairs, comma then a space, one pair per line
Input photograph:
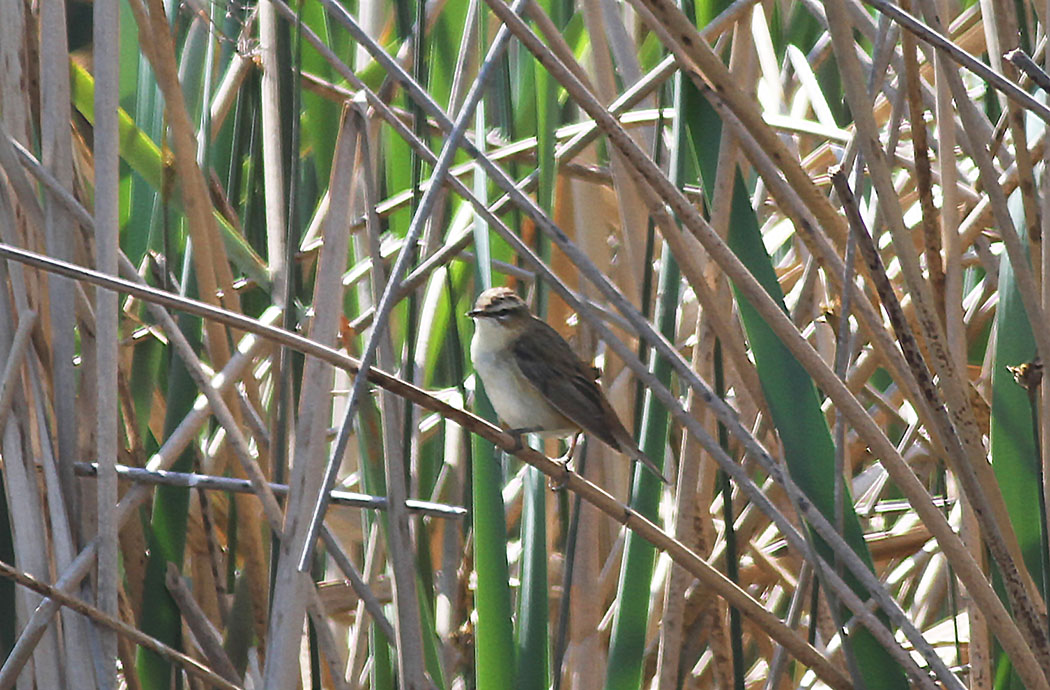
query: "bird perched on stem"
536, 382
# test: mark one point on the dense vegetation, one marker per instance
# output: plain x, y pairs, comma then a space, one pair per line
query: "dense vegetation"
800, 241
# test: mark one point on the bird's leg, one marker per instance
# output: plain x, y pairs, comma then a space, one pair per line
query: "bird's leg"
567, 458
518, 434
564, 460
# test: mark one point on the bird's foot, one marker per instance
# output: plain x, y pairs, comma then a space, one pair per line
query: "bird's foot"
519, 436
558, 483
563, 461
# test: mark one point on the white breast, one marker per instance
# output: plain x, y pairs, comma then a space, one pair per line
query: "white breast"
517, 402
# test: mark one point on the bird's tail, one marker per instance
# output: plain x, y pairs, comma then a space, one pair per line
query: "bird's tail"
637, 454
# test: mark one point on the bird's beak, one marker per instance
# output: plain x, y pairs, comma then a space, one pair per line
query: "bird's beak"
473, 313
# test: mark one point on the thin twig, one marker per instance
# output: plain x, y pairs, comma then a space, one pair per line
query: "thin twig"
208, 638
191, 666
1019, 59
26, 323
944, 44
231, 484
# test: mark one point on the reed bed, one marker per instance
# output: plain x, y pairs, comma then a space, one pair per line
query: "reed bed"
241, 439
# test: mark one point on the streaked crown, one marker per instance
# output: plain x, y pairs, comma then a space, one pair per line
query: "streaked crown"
500, 303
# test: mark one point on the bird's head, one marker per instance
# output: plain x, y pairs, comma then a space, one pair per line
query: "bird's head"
500, 308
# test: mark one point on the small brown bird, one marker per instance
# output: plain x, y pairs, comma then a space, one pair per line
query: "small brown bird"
536, 382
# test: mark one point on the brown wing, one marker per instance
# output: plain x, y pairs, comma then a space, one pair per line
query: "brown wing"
549, 363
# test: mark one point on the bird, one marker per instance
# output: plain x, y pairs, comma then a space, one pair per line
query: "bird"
535, 381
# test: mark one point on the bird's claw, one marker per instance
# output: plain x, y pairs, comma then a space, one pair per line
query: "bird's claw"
519, 437
563, 461
558, 484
